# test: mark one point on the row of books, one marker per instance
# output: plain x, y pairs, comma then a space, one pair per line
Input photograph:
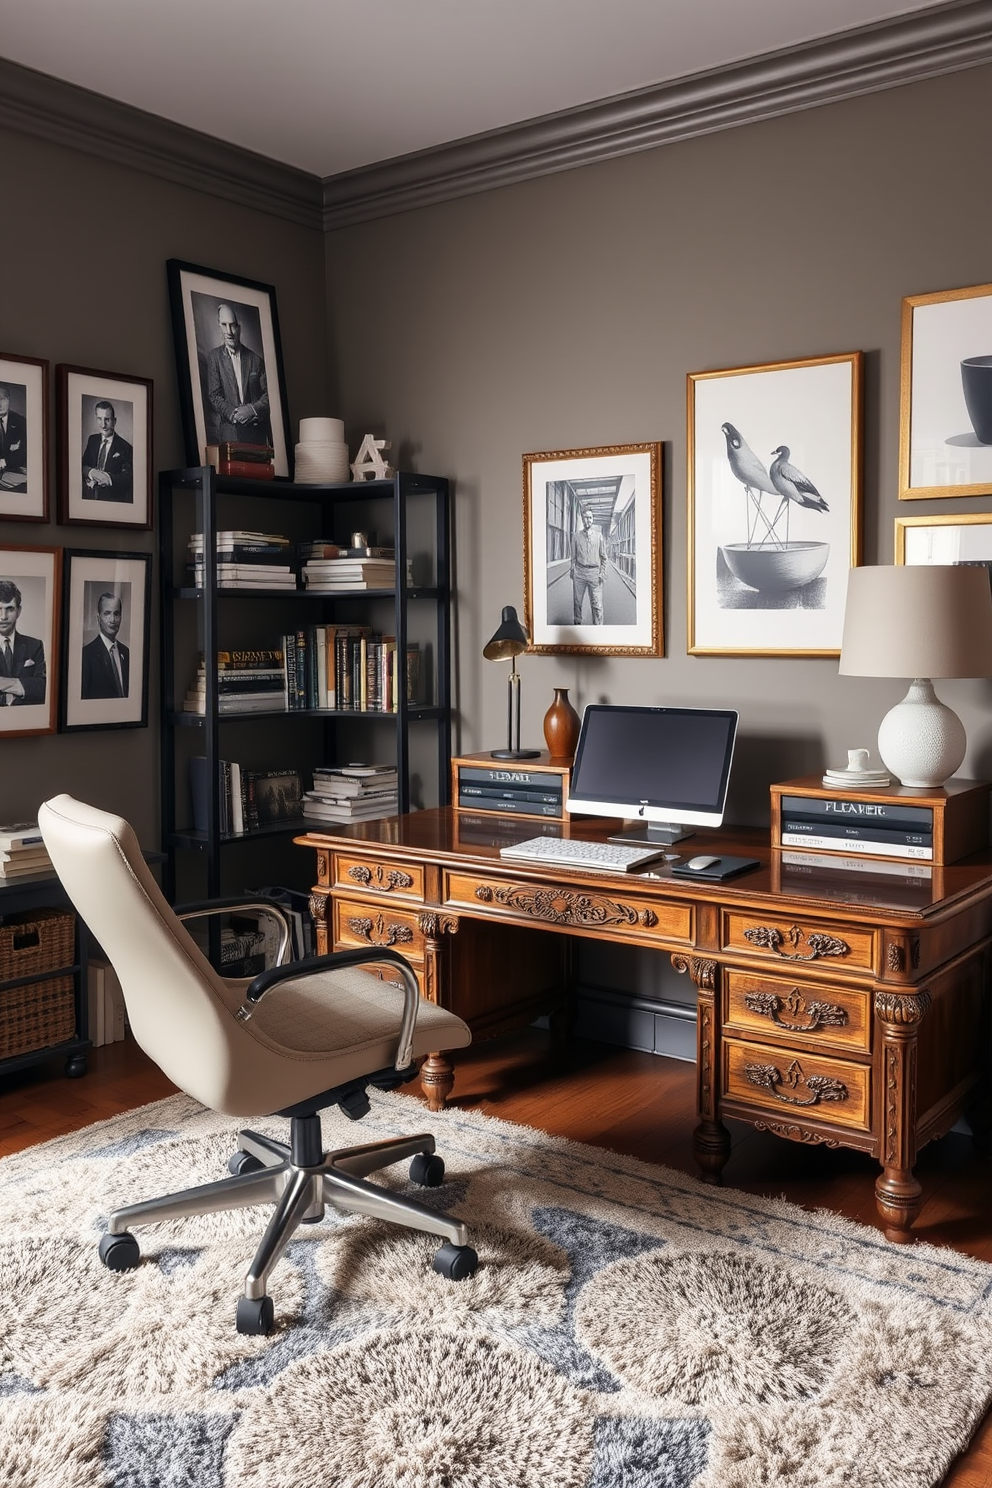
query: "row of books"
356, 792
105, 1004
881, 829
22, 852
334, 667
348, 667
247, 799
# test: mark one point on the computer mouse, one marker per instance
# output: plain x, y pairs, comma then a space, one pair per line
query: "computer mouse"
698, 864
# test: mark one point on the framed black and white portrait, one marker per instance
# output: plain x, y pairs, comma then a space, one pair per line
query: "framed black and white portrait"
231, 383
23, 438
29, 610
592, 550
105, 448
105, 629
774, 505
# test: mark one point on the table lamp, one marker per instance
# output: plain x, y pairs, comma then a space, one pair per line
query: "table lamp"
510, 639
919, 621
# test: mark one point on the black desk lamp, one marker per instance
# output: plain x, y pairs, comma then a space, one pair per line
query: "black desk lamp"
510, 639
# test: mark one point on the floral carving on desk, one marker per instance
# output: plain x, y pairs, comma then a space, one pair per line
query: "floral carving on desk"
560, 906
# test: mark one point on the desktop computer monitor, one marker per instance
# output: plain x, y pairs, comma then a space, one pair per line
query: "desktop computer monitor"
665, 768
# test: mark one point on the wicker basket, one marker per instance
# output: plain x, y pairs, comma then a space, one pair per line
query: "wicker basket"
35, 940
36, 1015
40, 1013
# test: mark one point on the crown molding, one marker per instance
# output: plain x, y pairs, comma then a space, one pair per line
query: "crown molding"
885, 55
43, 106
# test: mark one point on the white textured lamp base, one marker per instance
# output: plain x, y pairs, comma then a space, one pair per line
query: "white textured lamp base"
921, 740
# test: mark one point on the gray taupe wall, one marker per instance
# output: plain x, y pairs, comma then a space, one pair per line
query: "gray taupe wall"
566, 311
559, 313
83, 281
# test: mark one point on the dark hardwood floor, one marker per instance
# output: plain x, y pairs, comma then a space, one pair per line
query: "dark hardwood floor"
618, 1098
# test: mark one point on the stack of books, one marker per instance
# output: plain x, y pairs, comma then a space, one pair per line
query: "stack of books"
879, 829
352, 568
247, 682
513, 789
22, 852
236, 457
352, 793
247, 560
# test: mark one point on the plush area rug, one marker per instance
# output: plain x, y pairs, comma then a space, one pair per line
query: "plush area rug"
627, 1328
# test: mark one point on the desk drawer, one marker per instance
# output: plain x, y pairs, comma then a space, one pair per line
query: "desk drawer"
386, 925
777, 1007
798, 940
832, 1091
576, 907
356, 871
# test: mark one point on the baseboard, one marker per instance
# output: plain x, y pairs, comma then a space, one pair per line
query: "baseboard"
656, 1026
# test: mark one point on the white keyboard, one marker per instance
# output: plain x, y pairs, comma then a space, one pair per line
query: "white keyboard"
611, 857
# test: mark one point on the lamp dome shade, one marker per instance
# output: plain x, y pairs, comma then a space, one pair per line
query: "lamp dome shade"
918, 620
510, 639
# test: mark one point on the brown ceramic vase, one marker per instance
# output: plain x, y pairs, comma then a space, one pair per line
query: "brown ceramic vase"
561, 728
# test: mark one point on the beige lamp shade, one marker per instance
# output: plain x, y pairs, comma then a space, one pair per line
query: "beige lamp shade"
918, 620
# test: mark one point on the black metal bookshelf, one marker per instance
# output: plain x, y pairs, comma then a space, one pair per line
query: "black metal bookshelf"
408, 512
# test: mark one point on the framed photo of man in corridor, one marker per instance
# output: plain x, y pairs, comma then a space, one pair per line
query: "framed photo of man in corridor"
105, 626
592, 550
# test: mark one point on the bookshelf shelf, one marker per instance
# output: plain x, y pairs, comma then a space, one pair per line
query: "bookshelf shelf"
408, 512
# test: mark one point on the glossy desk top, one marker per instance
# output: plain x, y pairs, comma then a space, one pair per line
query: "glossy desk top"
877, 887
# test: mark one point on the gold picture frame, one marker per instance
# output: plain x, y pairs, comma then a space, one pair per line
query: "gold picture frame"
774, 505
949, 538
601, 504
945, 399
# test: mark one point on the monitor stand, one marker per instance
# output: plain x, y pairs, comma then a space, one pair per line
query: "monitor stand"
663, 833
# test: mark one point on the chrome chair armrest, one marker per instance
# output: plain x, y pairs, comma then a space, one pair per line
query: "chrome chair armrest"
338, 961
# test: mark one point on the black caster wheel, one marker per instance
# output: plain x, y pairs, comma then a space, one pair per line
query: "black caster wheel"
456, 1262
243, 1162
255, 1315
119, 1252
75, 1066
427, 1169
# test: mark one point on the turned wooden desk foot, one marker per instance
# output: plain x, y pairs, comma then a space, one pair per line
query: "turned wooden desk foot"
711, 1148
898, 1195
437, 1079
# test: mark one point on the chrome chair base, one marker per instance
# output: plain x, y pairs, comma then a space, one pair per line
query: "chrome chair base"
264, 1171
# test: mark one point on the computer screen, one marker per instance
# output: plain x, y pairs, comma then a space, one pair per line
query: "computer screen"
664, 767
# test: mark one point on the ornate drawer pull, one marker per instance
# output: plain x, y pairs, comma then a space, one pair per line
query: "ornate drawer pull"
394, 879
820, 1087
818, 1014
770, 939
561, 906
378, 933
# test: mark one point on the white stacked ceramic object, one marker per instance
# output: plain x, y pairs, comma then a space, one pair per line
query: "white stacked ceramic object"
322, 454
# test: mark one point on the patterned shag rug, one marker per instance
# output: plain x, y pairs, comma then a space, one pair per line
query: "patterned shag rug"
627, 1328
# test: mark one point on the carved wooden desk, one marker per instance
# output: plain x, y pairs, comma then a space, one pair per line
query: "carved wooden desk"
834, 1007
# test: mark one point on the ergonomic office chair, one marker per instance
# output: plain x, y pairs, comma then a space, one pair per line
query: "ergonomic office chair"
293, 1041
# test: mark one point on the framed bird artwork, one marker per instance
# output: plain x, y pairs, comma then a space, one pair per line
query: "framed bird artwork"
945, 410
775, 459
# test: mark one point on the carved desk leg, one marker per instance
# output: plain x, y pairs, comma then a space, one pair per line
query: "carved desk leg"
711, 1139
437, 1075
898, 1190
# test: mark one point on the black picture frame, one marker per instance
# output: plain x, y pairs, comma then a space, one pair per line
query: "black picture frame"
96, 691
121, 494
35, 574
197, 295
23, 438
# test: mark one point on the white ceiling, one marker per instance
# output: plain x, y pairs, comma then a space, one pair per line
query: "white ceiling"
331, 85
